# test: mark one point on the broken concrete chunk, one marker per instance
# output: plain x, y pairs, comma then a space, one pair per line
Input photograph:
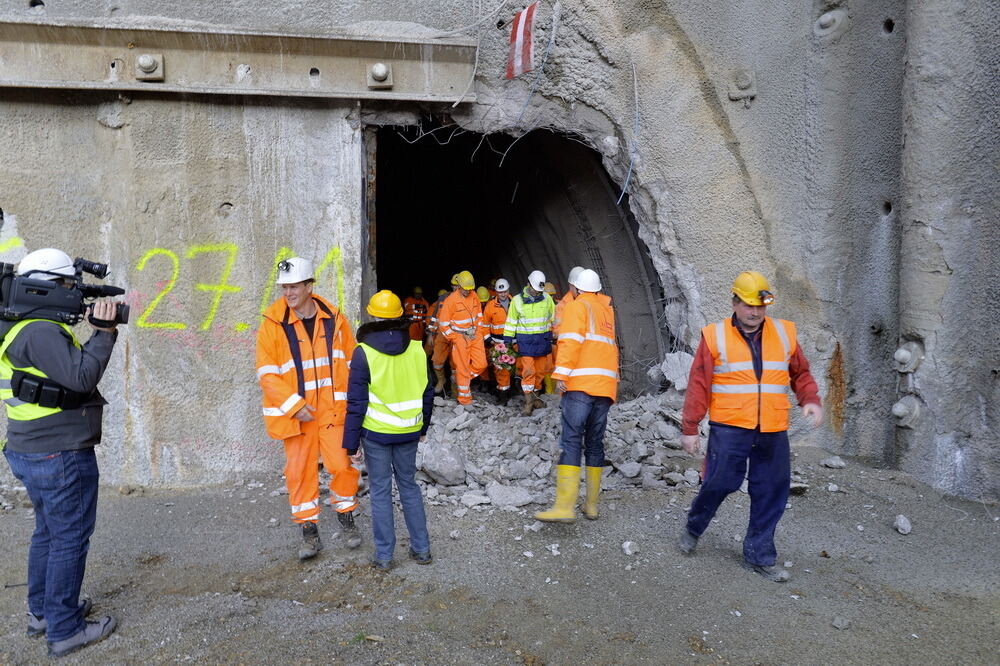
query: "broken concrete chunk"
444, 462
902, 524
473, 498
630, 548
630, 469
507, 495
692, 476
834, 462
841, 622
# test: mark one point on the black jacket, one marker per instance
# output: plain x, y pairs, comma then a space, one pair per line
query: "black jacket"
45, 345
389, 336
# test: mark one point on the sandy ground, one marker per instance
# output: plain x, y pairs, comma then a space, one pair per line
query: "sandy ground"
206, 575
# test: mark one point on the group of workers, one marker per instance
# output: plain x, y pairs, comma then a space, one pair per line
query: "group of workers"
462, 326
332, 396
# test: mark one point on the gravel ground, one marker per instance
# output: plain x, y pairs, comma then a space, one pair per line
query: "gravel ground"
210, 575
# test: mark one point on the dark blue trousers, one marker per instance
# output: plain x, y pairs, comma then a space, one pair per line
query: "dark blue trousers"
584, 419
63, 489
729, 450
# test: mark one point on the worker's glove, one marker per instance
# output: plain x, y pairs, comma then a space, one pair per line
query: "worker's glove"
470, 335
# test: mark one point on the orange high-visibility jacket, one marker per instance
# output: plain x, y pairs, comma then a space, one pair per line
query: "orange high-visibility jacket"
738, 399
568, 298
494, 318
587, 354
294, 370
416, 309
458, 314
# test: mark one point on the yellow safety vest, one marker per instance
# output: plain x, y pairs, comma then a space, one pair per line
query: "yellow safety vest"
396, 390
18, 410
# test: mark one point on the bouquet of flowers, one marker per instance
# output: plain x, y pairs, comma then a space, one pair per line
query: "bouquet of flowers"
503, 356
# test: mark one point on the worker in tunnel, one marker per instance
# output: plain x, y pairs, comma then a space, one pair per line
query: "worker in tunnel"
303, 346
442, 344
741, 374
430, 332
586, 374
459, 322
485, 378
494, 321
529, 322
416, 306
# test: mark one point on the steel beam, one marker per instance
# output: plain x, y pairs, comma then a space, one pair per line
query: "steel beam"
204, 61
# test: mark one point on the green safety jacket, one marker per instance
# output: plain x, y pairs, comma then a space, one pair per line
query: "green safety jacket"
18, 410
529, 322
395, 390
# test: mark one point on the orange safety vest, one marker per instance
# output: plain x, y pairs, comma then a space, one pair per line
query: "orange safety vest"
587, 354
738, 398
494, 318
416, 309
459, 314
568, 298
294, 371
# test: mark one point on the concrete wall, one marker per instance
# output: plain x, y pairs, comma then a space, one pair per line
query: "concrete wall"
801, 181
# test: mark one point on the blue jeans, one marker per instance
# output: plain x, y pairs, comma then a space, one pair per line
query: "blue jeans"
383, 462
63, 488
729, 449
584, 419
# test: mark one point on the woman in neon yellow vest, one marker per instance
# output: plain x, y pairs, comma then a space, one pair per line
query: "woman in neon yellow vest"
390, 396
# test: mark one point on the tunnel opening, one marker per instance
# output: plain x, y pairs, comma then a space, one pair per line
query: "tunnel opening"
446, 199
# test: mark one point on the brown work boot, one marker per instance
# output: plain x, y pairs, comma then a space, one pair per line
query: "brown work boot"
539, 403
529, 404
439, 387
311, 543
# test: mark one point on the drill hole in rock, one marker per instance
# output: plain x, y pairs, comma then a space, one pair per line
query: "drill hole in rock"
888, 26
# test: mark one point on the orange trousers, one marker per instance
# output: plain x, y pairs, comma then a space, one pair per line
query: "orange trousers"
533, 370
469, 360
503, 378
302, 471
442, 349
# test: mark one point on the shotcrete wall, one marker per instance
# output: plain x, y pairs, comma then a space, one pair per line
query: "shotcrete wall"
757, 135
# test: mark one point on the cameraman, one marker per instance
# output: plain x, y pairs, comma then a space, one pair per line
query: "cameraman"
51, 451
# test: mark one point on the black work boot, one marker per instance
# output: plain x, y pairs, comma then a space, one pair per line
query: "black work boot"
311, 542
350, 529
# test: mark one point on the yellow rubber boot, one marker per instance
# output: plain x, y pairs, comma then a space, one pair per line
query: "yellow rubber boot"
593, 490
567, 490
550, 384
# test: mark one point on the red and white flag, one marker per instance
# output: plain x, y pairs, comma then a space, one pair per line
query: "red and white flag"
522, 42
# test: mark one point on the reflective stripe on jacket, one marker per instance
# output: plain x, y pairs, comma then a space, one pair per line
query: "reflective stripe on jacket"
310, 372
738, 397
587, 355
416, 309
531, 324
396, 390
18, 410
459, 314
560, 306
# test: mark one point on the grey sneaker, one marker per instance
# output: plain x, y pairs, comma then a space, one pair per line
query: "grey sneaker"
773, 573
311, 542
687, 542
37, 626
91, 633
381, 565
350, 529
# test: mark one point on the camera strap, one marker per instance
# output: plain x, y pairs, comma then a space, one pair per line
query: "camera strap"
44, 392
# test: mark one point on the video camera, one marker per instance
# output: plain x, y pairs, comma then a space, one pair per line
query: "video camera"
26, 297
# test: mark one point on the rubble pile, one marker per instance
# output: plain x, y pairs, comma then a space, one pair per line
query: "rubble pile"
484, 455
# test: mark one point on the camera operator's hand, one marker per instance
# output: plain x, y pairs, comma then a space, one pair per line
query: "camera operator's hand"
104, 310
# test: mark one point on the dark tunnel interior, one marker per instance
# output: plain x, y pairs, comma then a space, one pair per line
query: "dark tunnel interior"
447, 200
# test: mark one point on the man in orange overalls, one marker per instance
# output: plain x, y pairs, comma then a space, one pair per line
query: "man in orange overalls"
415, 308
302, 349
494, 318
459, 319
442, 346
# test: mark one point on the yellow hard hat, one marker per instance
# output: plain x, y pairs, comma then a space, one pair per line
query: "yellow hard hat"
483, 293
753, 289
465, 280
454, 279
419, 291
550, 289
442, 292
385, 305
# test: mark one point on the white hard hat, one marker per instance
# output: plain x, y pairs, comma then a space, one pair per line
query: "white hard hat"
293, 270
49, 262
502, 285
574, 273
587, 280
536, 280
